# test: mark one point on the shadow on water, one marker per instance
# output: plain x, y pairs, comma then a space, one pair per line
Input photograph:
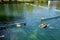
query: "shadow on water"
10, 13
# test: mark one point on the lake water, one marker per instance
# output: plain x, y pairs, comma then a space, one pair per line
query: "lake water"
10, 14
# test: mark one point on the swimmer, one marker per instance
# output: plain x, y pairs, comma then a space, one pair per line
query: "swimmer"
2, 36
43, 18
20, 24
43, 25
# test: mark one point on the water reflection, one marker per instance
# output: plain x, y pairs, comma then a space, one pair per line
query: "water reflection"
30, 8
31, 15
10, 12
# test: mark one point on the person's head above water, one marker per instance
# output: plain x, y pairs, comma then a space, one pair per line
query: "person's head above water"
43, 25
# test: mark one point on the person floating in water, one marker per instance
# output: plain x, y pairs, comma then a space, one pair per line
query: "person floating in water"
20, 24
43, 25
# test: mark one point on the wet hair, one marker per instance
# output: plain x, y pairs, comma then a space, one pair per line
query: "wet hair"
24, 24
